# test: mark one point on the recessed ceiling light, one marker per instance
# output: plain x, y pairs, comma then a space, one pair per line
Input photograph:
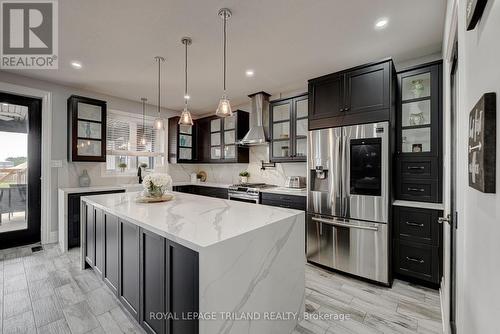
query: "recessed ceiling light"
249, 73
76, 64
381, 23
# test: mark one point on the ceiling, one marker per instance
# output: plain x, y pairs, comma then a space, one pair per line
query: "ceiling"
286, 42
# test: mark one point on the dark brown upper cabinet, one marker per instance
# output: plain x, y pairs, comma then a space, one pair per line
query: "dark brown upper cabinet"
181, 142
220, 138
363, 94
288, 129
419, 153
86, 129
210, 140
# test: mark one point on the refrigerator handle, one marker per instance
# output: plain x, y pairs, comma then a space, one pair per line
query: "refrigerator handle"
340, 224
345, 172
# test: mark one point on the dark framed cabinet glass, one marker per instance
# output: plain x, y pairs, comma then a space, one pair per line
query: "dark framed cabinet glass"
288, 129
181, 142
419, 139
86, 129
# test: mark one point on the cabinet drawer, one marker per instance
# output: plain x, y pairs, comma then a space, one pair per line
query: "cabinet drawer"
418, 168
286, 199
285, 204
211, 192
418, 190
417, 260
419, 225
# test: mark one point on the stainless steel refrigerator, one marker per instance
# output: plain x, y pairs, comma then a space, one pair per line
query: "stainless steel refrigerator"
348, 199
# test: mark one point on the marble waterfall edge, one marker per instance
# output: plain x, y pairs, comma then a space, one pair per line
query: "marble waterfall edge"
260, 274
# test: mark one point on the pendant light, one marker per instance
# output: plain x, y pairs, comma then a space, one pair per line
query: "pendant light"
158, 123
143, 139
186, 118
224, 107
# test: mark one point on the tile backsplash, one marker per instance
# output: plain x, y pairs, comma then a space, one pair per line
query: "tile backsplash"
228, 173
220, 173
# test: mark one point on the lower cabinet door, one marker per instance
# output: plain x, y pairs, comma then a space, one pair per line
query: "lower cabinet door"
417, 260
111, 258
99, 241
90, 235
152, 282
129, 287
73, 220
183, 286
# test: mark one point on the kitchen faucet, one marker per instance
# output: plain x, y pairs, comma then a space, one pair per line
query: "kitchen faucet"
139, 174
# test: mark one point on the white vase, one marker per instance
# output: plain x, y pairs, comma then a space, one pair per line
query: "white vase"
244, 179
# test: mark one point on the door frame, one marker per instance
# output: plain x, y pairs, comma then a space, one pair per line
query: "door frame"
46, 234
450, 39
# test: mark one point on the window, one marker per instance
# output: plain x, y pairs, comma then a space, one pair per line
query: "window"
125, 148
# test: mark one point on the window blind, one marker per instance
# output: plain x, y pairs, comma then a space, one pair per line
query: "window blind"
125, 133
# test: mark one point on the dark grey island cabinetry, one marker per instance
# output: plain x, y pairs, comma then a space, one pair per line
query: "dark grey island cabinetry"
148, 273
180, 267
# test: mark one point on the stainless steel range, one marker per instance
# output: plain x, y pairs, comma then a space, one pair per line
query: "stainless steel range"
247, 192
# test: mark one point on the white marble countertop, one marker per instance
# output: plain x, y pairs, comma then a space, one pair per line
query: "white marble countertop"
126, 187
423, 205
276, 190
191, 220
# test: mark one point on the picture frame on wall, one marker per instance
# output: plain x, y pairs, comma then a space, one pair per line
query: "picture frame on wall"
474, 11
482, 144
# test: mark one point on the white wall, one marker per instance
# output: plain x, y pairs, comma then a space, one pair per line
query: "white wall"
67, 176
478, 265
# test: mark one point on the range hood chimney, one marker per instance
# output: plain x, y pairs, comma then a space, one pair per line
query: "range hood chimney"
259, 120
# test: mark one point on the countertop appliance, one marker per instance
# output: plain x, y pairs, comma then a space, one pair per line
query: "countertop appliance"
296, 182
348, 199
247, 192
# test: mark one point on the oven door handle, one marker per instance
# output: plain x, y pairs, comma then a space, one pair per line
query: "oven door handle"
336, 223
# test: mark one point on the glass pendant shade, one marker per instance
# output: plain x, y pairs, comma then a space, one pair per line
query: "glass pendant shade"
158, 124
224, 107
186, 118
143, 141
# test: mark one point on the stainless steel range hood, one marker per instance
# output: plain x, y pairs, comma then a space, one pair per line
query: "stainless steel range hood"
259, 121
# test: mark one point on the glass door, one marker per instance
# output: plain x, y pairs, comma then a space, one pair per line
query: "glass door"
301, 127
230, 137
20, 170
418, 112
280, 122
216, 139
185, 142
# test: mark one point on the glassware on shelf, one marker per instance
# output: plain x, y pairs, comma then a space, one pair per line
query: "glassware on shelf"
416, 113
416, 86
416, 140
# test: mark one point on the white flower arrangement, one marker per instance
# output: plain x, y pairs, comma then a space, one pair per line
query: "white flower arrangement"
156, 184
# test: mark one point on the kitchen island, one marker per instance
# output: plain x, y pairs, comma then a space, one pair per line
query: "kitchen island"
198, 264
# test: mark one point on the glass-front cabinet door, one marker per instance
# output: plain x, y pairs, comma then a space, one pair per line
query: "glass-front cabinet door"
419, 112
230, 137
185, 142
289, 122
87, 126
301, 127
216, 139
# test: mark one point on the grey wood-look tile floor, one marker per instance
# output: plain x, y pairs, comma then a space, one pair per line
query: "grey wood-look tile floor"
46, 292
